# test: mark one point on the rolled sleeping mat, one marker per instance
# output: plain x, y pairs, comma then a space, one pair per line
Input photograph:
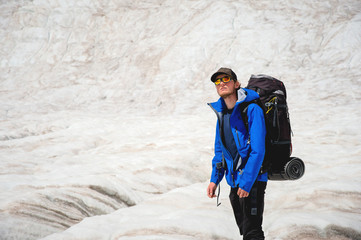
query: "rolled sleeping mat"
292, 170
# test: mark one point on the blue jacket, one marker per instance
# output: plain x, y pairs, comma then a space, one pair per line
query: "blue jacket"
250, 144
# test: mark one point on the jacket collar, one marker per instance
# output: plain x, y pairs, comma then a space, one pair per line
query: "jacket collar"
243, 94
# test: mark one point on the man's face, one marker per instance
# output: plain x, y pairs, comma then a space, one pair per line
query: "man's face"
226, 89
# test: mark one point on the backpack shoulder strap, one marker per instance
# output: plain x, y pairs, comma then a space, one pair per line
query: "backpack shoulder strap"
244, 107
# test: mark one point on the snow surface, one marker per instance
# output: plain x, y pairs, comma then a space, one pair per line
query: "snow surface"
105, 132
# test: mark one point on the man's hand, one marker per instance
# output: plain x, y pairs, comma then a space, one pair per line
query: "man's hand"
211, 189
241, 193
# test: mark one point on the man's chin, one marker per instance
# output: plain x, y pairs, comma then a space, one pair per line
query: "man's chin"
224, 94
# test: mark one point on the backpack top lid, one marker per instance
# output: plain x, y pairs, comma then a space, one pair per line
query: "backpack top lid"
267, 84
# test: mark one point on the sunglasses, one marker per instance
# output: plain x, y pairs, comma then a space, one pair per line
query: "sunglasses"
222, 79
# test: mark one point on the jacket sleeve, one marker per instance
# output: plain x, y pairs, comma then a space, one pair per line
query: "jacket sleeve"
257, 131
217, 174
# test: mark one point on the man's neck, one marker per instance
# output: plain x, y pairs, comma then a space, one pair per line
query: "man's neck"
230, 101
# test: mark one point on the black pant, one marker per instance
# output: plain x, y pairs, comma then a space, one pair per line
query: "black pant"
249, 211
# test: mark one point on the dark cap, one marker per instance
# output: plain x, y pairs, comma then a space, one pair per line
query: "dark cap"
222, 70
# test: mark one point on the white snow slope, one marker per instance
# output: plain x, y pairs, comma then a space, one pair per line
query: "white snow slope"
105, 132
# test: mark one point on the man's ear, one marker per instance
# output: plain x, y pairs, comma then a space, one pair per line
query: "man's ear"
237, 84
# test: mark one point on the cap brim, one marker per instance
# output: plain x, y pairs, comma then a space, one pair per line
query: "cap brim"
214, 76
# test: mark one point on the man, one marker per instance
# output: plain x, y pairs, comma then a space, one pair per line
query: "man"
242, 150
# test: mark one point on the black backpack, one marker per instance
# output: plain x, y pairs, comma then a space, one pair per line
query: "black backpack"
278, 161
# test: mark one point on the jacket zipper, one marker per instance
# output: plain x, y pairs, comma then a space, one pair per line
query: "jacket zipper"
220, 132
